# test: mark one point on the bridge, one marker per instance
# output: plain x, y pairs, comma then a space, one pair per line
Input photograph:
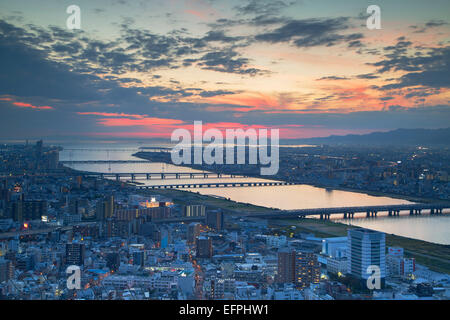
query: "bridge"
160, 175
349, 212
73, 162
33, 232
217, 185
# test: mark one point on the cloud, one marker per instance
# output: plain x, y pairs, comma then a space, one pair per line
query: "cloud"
111, 114
428, 69
367, 76
311, 32
263, 7
227, 61
28, 105
429, 25
333, 78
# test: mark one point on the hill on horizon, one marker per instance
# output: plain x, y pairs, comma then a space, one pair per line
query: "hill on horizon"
409, 137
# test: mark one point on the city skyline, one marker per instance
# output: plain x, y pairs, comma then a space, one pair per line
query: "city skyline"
142, 69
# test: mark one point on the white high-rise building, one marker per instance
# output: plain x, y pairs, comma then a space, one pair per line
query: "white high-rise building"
366, 248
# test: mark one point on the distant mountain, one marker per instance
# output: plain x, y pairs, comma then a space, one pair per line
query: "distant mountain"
409, 137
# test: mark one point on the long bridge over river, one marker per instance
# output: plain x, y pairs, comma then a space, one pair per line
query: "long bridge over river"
349, 212
74, 162
161, 175
233, 184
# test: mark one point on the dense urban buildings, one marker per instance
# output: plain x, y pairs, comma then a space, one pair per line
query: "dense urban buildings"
132, 243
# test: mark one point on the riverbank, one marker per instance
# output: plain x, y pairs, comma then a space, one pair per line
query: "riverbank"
183, 197
432, 255
158, 158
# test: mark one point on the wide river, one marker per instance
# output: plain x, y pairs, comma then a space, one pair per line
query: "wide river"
433, 229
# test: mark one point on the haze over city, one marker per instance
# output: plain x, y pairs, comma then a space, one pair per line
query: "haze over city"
230, 150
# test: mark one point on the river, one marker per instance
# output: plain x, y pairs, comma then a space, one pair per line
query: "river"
433, 229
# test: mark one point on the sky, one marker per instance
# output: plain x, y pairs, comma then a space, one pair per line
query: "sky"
141, 69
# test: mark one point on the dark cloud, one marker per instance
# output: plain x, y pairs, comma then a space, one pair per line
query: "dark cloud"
214, 93
333, 78
27, 72
367, 76
227, 61
429, 25
135, 50
428, 69
311, 32
263, 7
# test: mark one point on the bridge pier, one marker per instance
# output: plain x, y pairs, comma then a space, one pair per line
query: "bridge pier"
325, 216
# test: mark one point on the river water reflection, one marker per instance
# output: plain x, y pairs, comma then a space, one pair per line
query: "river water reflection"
434, 229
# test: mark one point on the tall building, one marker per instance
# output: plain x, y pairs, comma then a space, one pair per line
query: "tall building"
193, 231
300, 268
6, 270
26, 210
307, 269
16, 210
214, 219
113, 260
139, 257
39, 149
286, 265
204, 247
75, 253
53, 159
366, 248
397, 265
194, 210
105, 209
34, 209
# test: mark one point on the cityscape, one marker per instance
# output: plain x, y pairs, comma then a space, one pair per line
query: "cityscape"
207, 150
137, 243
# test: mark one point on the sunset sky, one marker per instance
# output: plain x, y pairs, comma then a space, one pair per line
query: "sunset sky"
140, 69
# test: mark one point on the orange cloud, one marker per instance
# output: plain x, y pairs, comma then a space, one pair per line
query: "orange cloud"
28, 105
112, 114
125, 122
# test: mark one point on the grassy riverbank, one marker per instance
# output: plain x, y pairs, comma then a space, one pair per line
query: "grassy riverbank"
434, 256
186, 197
